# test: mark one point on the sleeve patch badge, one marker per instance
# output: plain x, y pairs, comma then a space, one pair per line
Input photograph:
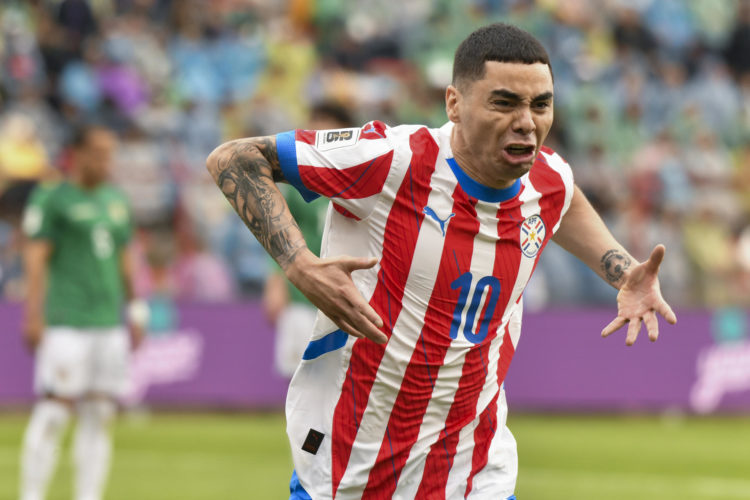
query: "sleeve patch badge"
334, 139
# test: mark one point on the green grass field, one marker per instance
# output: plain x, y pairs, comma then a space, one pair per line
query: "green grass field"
245, 456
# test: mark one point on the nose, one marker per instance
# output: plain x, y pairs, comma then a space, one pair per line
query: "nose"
523, 121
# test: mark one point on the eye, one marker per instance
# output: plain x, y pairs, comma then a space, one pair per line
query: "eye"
542, 104
501, 103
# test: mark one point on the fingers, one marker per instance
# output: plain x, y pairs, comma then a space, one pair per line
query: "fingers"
634, 327
372, 316
667, 312
350, 329
613, 326
362, 328
654, 260
354, 263
329, 286
364, 319
652, 325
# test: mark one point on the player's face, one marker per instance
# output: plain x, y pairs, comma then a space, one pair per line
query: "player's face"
95, 156
501, 121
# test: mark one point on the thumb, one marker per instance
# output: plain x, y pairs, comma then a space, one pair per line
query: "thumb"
354, 263
654, 260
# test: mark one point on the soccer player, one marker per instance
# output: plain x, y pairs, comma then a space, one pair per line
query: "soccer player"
433, 237
285, 306
79, 274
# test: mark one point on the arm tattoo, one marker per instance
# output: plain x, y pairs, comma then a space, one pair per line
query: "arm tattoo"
246, 172
613, 264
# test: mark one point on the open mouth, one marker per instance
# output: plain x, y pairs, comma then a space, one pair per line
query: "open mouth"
519, 150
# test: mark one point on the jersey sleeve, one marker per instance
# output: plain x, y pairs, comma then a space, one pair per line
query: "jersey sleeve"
349, 166
562, 168
39, 214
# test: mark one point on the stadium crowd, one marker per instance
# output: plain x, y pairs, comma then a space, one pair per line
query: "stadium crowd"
652, 111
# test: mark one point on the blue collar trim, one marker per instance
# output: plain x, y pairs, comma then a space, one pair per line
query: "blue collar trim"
480, 191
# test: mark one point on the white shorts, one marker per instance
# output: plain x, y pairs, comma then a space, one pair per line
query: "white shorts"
72, 362
293, 332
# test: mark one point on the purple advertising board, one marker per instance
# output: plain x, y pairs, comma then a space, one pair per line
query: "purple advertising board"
221, 356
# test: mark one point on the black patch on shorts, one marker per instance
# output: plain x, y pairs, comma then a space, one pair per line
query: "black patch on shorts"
312, 441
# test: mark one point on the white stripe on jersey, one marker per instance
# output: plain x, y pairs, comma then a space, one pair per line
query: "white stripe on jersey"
497, 479
449, 375
556, 163
399, 349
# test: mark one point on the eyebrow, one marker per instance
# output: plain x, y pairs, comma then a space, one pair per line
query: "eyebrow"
507, 94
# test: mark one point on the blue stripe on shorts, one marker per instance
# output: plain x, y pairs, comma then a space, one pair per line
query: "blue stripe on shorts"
296, 491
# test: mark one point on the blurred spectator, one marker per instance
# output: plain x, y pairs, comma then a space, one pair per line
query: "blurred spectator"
652, 104
737, 50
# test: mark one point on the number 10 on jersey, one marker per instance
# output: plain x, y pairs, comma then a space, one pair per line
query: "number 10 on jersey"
471, 293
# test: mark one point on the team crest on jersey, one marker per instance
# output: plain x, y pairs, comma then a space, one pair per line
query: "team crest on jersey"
334, 139
533, 232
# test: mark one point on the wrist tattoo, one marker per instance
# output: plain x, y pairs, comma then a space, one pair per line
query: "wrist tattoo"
614, 263
247, 178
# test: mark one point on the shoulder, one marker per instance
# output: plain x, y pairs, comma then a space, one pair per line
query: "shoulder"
554, 158
44, 192
116, 192
377, 129
118, 203
551, 160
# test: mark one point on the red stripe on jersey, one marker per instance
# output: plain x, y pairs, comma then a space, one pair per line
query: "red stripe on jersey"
359, 181
344, 212
463, 409
483, 435
507, 350
474, 374
306, 136
552, 188
399, 242
373, 130
428, 354
485, 431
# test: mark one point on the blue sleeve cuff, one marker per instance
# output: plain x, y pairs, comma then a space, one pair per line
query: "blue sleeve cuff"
287, 152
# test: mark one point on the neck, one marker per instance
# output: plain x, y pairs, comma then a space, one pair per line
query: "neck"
82, 182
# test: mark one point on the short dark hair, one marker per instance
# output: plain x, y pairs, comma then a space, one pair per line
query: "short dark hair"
497, 42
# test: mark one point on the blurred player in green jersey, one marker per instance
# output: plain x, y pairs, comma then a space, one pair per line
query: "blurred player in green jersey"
286, 307
79, 271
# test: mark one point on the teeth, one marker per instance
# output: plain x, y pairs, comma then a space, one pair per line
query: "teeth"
519, 149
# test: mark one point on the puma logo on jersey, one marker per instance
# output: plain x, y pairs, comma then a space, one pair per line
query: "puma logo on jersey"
372, 130
430, 212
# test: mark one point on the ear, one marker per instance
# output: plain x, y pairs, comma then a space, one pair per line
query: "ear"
452, 102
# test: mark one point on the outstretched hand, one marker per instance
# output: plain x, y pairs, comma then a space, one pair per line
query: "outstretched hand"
639, 299
329, 286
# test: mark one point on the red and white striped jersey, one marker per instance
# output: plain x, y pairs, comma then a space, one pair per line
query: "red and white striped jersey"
422, 416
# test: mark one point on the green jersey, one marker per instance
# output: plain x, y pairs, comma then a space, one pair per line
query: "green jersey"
311, 218
87, 230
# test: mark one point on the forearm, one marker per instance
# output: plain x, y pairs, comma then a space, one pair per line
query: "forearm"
35, 254
246, 171
583, 233
127, 273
